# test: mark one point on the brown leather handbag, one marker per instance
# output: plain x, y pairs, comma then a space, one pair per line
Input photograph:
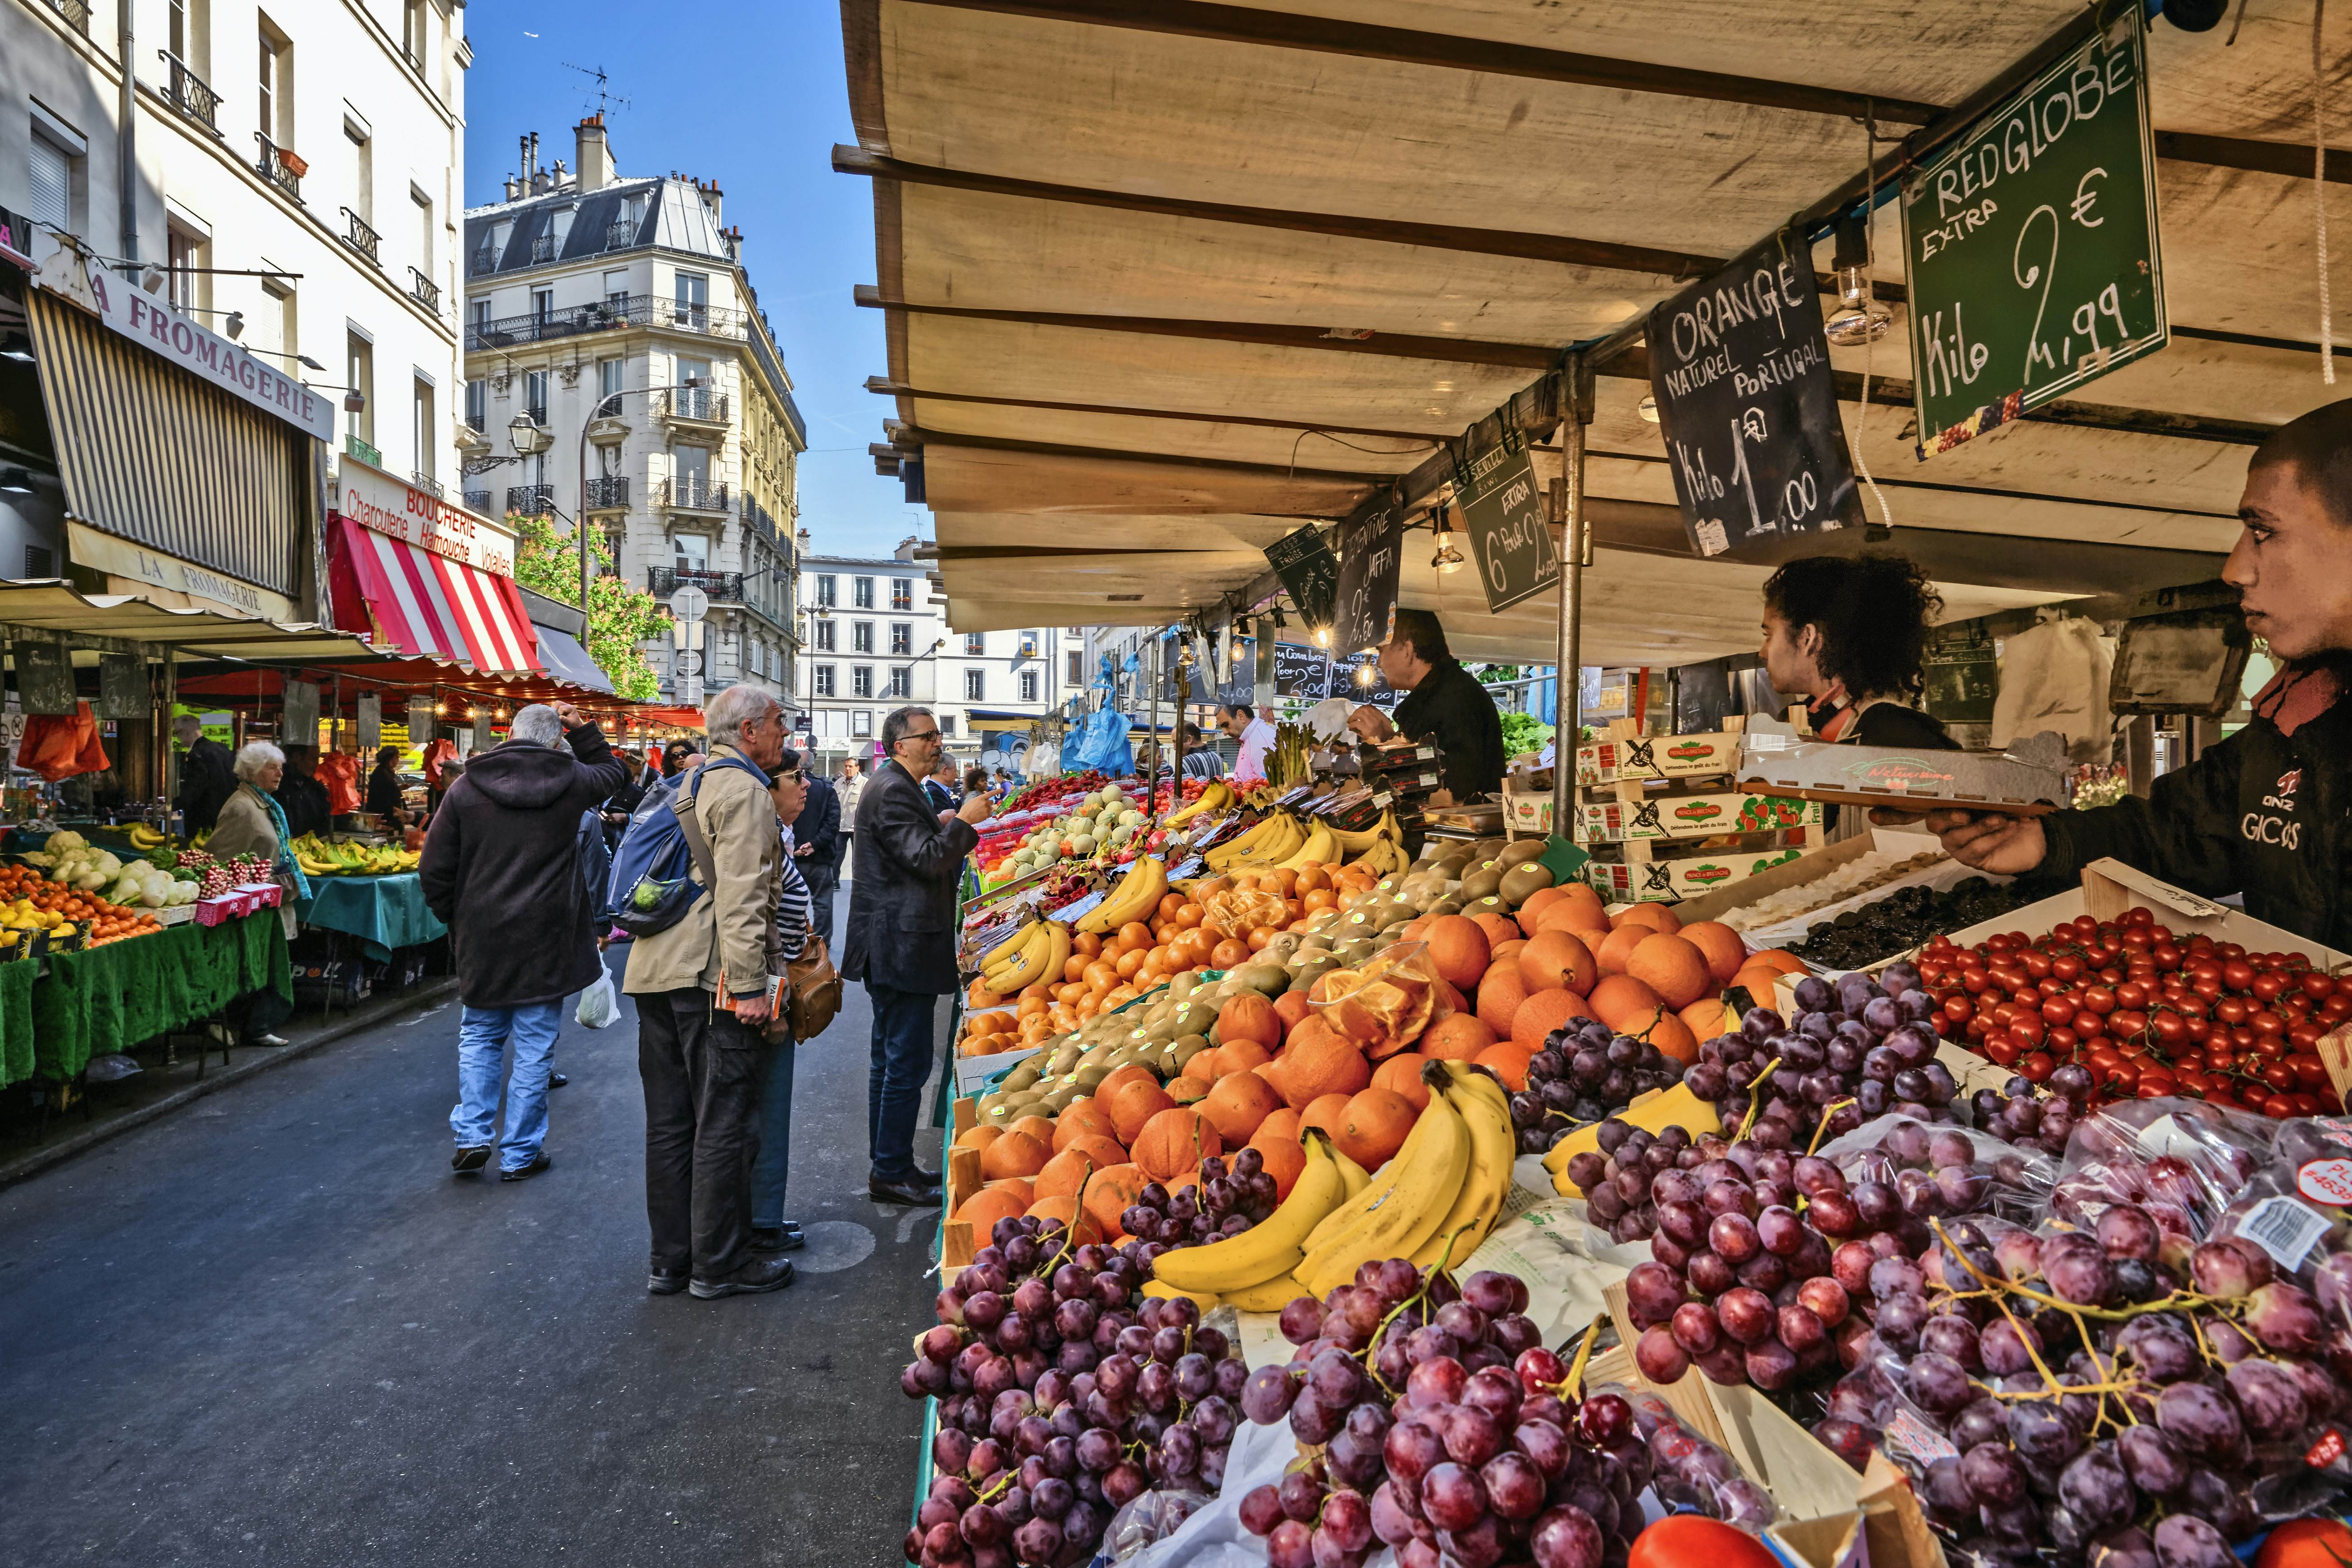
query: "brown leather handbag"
811, 990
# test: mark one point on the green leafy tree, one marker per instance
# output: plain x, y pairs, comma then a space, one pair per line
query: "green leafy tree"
619, 618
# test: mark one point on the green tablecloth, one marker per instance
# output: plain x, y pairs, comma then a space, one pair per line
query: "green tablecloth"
113, 997
384, 912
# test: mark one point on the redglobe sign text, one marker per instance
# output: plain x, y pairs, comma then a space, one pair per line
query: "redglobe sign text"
203, 353
376, 500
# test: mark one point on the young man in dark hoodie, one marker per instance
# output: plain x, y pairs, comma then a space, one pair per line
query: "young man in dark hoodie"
2268, 812
501, 869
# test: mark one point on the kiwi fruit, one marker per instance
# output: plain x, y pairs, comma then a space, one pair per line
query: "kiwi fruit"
1487, 906
1446, 906
1352, 953
1484, 883
1265, 979
1313, 968
1185, 1050
1519, 853
1523, 882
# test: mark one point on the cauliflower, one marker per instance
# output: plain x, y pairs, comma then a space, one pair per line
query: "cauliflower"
65, 840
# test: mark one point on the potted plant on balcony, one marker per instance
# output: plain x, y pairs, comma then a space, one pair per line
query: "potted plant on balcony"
295, 163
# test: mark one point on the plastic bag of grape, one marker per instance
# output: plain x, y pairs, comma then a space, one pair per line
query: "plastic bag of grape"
1900, 1169
2183, 1161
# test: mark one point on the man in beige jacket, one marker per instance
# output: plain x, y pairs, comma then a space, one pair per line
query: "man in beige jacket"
702, 1004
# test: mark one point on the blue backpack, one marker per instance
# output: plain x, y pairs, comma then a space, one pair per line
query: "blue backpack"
652, 883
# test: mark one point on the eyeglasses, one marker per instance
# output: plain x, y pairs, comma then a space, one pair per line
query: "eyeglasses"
921, 735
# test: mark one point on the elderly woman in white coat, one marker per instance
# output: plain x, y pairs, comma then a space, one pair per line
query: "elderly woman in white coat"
252, 824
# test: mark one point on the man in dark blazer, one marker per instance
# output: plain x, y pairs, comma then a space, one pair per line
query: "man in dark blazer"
501, 870
902, 940
207, 780
816, 851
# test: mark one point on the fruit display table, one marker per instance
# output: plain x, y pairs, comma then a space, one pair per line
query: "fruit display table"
384, 912
109, 998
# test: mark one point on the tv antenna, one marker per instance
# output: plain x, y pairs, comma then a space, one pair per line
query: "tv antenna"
605, 98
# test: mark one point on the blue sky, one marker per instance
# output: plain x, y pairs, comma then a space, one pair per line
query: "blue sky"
750, 94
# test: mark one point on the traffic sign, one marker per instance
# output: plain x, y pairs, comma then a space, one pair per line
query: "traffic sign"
689, 662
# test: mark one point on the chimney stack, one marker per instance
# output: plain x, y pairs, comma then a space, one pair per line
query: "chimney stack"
594, 153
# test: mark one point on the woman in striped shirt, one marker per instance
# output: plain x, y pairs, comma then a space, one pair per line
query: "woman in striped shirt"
771, 1232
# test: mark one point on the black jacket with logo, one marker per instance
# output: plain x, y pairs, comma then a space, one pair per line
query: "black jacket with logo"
1452, 708
2263, 814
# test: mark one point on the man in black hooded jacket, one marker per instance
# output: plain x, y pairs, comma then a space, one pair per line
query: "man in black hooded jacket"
2268, 812
501, 869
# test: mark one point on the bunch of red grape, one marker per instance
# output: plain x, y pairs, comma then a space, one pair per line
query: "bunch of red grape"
1065, 1394
2146, 1014
1858, 1049
1619, 1180
2015, 1113
1583, 1073
1228, 1200
1442, 1433
1784, 1296
2226, 1388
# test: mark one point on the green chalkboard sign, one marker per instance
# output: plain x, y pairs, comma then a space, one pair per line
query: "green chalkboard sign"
2030, 243
1304, 561
1503, 513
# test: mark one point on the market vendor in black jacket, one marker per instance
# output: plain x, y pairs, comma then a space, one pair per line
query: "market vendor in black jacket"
2264, 813
1848, 635
1444, 704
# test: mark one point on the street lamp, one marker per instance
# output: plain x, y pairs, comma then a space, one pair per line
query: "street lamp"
605, 406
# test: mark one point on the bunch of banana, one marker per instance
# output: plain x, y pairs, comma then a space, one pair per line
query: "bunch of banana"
1385, 858
144, 837
1218, 795
330, 857
1263, 1255
1436, 1198
1044, 948
1321, 849
1388, 827
1137, 894
1273, 840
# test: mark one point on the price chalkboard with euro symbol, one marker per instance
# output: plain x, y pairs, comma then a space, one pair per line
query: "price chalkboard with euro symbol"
1749, 409
1503, 513
2032, 246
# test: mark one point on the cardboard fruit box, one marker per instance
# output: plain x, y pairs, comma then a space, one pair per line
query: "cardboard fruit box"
1680, 881
2027, 780
1691, 817
1631, 757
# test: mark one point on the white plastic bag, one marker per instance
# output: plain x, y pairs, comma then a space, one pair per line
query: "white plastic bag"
599, 1005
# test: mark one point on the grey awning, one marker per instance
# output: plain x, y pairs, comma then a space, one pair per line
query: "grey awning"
568, 662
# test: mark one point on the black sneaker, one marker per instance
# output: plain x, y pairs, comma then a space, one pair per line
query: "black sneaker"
784, 1238
751, 1280
539, 1161
920, 1190
556, 1080
466, 1161
665, 1282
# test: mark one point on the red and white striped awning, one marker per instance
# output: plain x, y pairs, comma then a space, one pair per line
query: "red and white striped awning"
428, 606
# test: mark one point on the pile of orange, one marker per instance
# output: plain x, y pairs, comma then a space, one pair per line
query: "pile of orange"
108, 922
1109, 970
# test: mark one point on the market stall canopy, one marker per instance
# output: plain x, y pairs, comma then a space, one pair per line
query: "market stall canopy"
428, 604
1161, 280
192, 634
568, 663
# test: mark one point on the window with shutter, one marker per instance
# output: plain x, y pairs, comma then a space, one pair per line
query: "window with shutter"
51, 184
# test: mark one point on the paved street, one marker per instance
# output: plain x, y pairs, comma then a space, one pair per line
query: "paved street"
272, 1327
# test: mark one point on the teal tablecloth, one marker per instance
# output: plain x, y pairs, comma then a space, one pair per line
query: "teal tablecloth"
384, 912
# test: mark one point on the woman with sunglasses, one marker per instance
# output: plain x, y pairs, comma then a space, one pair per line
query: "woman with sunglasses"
771, 1232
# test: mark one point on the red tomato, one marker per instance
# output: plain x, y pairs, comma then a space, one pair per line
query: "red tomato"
2127, 1025
2232, 1009
2319, 988
1999, 1047
2099, 999
2268, 986
2027, 1029
2267, 1023
2132, 995
2037, 1065
2310, 1072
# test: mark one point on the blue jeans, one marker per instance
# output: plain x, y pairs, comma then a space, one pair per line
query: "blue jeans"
774, 1165
894, 1083
482, 1034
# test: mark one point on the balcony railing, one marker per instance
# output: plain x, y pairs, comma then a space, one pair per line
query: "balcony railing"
530, 500
477, 500
360, 236
276, 165
423, 290
75, 12
688, 494
364, 450
426, 483
190, 95
484, 259
723, 587
699, 403
605, 315
608, 492
542, 248
620, 236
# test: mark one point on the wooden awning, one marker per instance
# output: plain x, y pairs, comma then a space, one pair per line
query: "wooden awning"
1160, 279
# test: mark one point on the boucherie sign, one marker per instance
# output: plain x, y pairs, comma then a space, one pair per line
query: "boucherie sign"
375, 500
205, 354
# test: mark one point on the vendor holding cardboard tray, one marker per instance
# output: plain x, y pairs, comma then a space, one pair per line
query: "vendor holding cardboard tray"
2268, 812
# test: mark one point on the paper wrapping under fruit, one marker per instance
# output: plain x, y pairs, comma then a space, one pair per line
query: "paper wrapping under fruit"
1383, 1005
